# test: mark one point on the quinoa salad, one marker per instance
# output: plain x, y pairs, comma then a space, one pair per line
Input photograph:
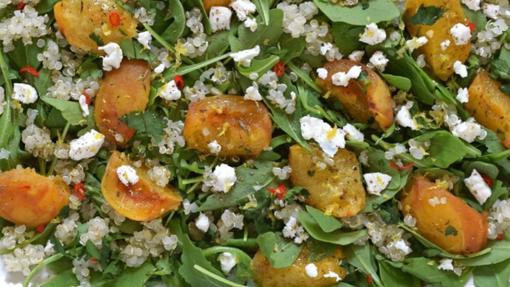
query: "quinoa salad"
293, 143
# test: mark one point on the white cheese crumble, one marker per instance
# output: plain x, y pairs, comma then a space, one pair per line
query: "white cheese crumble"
244, 57
219, 17
223, 178
492, 10
251, 23
227, 261
342, 79
378, 60
113, 56
445, 44
329, 138
446, 264
145, 39
352, 133
82, 100
334, 275
170, 91
86, 146
376, 182
127, 175
460, 69
282, 173
404, 117
469, 131
420, 60
243, 8
478, 187
252, 93
322, 73
214, 147
311, 270
417, 149
202, 223
24, 93
461, 34
356, 55
373, 35
472, 4
416, 43
462, 95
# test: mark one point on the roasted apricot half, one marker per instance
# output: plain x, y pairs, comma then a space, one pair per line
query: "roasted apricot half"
241, 127
443, 218
212, 3
29, 198
142, 201
122, 91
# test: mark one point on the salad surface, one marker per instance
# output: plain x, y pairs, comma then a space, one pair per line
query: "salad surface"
255, 143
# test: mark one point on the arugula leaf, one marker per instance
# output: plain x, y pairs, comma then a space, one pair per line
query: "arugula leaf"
377, 11
134, 277
218, 45
337, 237
263, 9
134, 50
45, 6
175, 30
499, 251
496, 275
62, 279
399, 82
280, 252
258, 66
43, 82
427, 15
426, 269
71, 111
147, 124
394, 277
250, 179
327, 223
346, 37
293, 47
24, 55
362, 258
265, 35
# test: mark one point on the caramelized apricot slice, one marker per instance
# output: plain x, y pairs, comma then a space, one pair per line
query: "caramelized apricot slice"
142, 201
212, 3
241, 127
443, 218
82, 20
362, 100
335, 189
122, 91
29, 198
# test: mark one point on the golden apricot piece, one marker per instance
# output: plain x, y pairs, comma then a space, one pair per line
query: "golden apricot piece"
82, 20
142, 201
335, 189
241, 127
439, 58
214, 3
443, 218
122, 91
490, 106
31, 199
295, 275
362, 100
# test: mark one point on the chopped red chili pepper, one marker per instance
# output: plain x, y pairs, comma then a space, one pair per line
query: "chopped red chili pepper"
29, 70
406, 166
487, 180
115, 20
21, 5
79, 191
93, 260
472, 26
280, 191
179, 82
88, 99
279, 69
369, 279
501, 236
40, 228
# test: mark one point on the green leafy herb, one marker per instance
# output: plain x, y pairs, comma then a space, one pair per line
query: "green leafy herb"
377, 11
496, 275
265, 35
175, 30
281, 253
450, 230
148, 124
71, 111
394, 277
258, 66
336, 237
426, 15
134, 277
362, 258
327, 223
399, 82
499, 251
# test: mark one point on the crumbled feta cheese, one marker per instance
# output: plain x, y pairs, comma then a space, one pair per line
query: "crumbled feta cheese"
342, 79
400, 245
189, 207
373, 35
170, 91
461, 34
282, 173
243, 8
416, 43
86, 146
462, 95
469, 131
420, 61
223, 178
460, 69
322, 73
329, 138
214, 147
311, 270
396, 150
244, 57
418, 150
446, 264
356, 55
227, 261
84, 106
334, 275
219, 17
24, 93
379, 61
472, 4
409, 220
491, 10
437, 201
404, 117
145, 39
478, 187
127, 175
113, 56
376, 182
445, 44
202, 222
251, 23
252, 93
352, 133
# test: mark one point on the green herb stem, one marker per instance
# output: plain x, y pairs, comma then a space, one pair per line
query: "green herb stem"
39, 266
6, 119
216, 277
